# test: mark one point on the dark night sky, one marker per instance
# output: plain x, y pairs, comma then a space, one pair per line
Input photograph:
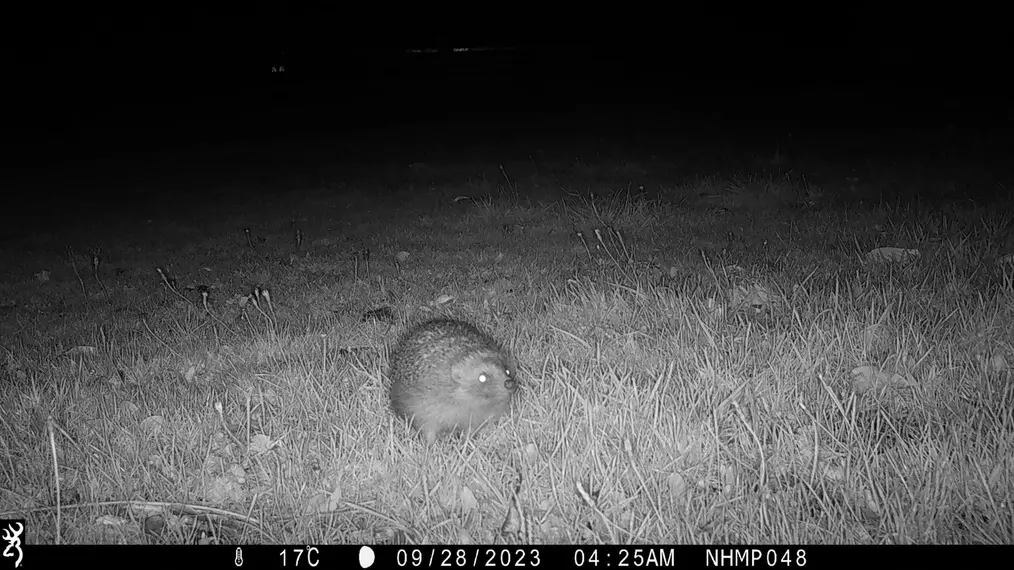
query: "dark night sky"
165, 68
230, 46
107, 95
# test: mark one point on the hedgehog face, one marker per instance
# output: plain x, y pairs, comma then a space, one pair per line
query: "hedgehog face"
486, 377
497, 375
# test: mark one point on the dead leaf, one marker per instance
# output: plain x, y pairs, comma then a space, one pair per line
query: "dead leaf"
464, 537
261, 443
152, 425
754, 298
467, 498
228, 488
111, 520
995, 475
334, 500
998, 363
892, 254
865, 378
316, 504
677, 485
80, 351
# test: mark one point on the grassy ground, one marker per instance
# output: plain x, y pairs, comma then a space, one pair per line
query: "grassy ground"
705, 359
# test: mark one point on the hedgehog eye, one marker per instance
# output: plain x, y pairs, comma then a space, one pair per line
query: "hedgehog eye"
482, 378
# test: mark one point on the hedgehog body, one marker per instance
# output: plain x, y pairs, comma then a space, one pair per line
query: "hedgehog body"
449, 375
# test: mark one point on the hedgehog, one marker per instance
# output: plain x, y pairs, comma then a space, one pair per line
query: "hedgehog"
449, 375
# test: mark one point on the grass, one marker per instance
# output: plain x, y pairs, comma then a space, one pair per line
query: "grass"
711, 360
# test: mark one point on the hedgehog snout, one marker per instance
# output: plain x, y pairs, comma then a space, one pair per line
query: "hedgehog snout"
511, 383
